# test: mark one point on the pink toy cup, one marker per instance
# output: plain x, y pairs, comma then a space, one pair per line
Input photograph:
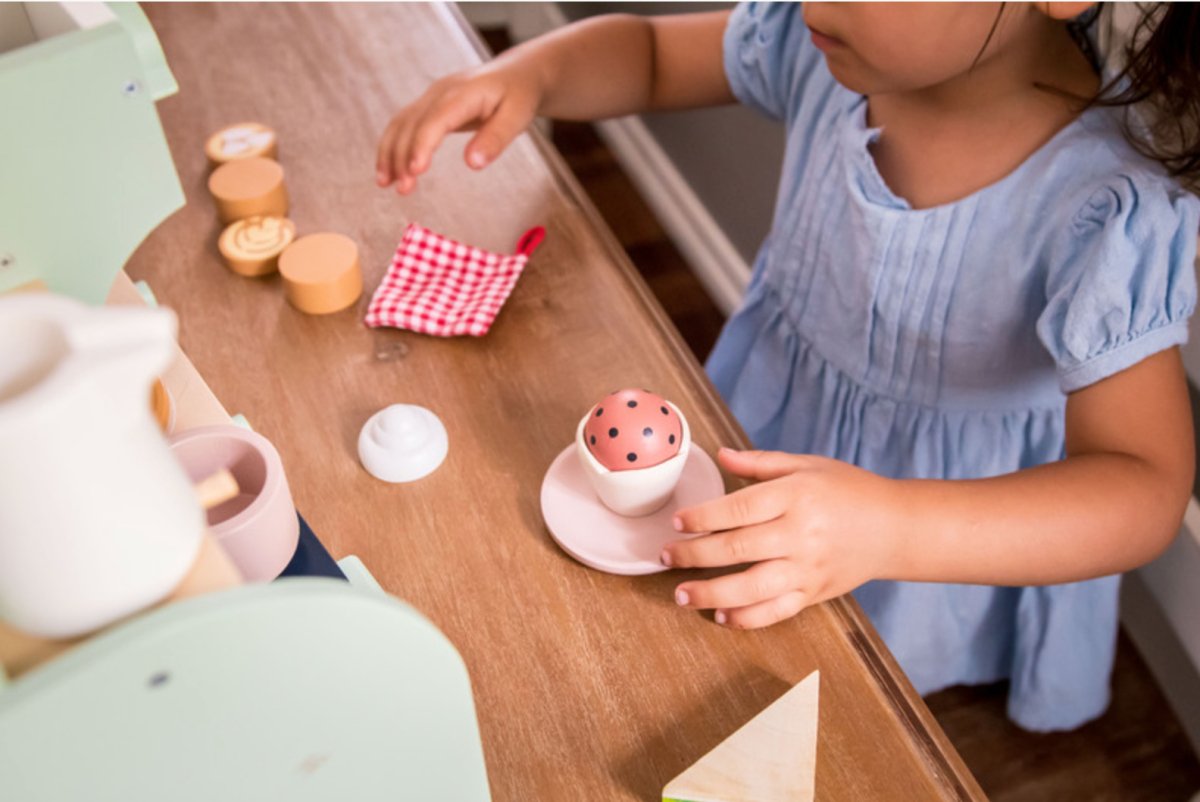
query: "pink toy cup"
258, 528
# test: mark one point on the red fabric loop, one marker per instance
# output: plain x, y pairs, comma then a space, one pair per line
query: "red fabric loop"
530, 240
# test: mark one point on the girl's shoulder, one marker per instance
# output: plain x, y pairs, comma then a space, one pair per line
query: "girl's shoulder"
1117, 251
773, 65
1089, 181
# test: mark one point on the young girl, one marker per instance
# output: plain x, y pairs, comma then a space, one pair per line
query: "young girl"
960, 343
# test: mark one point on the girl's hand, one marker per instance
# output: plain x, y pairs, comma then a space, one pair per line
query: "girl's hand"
814, 528
499, 99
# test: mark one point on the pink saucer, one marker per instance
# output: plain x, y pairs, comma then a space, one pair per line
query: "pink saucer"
598, 537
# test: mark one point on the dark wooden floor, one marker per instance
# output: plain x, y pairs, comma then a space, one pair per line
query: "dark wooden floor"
1136, 752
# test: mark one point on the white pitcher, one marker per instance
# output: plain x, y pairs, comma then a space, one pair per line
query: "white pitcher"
97, 518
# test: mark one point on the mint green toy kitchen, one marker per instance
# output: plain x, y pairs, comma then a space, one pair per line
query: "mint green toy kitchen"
227, 694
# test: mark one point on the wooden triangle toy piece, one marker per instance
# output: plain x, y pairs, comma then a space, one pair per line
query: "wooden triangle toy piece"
772, 758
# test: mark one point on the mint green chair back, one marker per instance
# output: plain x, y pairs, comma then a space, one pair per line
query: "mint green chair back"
303, 689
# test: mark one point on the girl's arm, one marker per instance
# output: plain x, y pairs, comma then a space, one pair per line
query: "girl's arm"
603, 67
1113, 504
622, 64
816, 528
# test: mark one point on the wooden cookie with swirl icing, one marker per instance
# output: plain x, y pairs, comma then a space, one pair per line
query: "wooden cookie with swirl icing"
251, 247
241, 141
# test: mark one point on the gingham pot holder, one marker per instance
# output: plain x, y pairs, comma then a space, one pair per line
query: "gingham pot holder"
445, 288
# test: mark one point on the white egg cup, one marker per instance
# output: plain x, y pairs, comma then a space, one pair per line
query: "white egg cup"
637, 491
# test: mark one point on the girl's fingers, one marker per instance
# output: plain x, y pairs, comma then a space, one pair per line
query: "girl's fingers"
765, 613
400, 158
432, 129
745, 545
384, 174
750, 505
762, 465
508, 121
758, 583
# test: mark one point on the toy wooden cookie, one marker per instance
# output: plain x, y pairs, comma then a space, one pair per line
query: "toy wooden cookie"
247, 187
251, 247
321, 273
241, 141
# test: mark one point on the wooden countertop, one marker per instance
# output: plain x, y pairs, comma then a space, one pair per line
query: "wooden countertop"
587, 686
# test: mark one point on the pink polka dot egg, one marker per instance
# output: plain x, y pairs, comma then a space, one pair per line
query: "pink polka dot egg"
631, 429
633, 445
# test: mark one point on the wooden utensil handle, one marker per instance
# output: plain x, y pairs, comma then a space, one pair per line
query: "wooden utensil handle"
216, 489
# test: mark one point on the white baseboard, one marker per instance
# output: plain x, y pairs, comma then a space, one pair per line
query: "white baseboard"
1157, 642
486, 14
714, 260
527, 20
1175, 581
1160, 609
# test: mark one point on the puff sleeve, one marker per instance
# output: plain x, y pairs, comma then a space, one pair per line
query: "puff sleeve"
1121, 281
770, 58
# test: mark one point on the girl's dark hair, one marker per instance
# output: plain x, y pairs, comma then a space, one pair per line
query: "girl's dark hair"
1160, 84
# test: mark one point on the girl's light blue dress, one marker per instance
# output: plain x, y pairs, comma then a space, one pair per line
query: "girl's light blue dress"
940, 343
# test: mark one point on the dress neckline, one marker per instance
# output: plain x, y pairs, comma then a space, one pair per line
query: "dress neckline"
875, 190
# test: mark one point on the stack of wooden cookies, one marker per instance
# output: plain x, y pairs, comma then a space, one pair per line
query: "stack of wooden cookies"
321, 272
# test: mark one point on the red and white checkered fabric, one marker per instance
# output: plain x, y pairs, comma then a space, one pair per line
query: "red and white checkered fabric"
441, 287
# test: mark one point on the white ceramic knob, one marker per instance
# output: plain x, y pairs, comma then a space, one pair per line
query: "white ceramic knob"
402, 443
